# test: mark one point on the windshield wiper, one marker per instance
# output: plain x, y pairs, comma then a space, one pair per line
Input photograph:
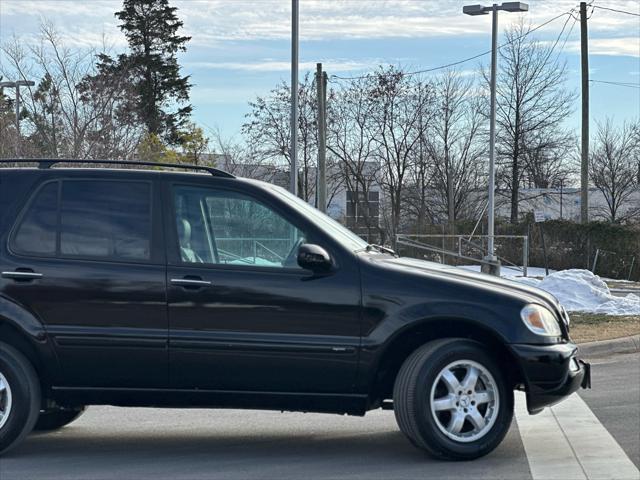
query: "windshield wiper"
380, 248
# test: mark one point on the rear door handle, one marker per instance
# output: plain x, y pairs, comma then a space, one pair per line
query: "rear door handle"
190, 282
17, 275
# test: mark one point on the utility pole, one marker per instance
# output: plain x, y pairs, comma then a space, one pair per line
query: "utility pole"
322, 138
584, 154
294, 97
17, 85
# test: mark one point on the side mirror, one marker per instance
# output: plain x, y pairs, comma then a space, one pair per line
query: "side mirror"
314, 257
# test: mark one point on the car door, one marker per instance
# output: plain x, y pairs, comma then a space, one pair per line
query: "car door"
242, 315
86, 256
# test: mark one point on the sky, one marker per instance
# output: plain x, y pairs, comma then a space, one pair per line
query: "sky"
241, 48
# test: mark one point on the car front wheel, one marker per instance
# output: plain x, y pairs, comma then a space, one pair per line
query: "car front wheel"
451, 400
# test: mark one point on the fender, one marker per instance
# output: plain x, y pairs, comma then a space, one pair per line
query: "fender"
438, 317
484, 316
34, 332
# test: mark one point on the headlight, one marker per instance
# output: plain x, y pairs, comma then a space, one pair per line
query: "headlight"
540, 321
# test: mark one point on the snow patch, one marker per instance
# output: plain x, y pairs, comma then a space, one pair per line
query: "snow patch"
582, 291
577, 290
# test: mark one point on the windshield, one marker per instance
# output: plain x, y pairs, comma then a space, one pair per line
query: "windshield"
339, 233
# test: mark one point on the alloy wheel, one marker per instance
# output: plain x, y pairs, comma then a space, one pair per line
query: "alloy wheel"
465, 401
5, 400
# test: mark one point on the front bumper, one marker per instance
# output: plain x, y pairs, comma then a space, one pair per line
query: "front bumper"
551, 373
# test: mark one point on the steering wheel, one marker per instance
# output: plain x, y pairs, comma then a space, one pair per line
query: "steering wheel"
292, 257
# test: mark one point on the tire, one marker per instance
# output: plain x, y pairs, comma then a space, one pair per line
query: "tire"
20, 397
55, 419
435, 426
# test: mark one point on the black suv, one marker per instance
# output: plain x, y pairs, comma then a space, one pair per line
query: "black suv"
179, 289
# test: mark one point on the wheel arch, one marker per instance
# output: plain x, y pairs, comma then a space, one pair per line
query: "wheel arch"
24, 332
405, 342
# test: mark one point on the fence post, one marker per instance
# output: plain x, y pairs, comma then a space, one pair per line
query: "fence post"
595, 261
525, 255
544, 250
633, 260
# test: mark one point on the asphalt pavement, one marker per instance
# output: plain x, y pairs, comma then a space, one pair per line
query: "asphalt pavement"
116, 443
615, 399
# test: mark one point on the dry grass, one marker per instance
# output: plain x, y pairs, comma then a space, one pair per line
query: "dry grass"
588, 327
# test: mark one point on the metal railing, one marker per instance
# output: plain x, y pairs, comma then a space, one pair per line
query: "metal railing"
241, 248
415, 241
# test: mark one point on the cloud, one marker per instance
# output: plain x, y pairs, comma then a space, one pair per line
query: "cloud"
269, 65
246, 20
211, 22
621, 46
88, 8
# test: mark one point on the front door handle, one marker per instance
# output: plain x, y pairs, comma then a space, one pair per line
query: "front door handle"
21, 275
190, 282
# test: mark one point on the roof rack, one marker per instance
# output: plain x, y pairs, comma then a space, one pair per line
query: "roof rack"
46, 163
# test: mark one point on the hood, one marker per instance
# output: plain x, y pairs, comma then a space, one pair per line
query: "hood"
444, 272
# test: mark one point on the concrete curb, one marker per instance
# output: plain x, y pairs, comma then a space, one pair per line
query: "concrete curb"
608, 347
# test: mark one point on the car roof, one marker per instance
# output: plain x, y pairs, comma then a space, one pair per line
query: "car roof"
48, 163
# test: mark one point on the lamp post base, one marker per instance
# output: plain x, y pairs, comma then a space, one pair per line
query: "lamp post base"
490, 265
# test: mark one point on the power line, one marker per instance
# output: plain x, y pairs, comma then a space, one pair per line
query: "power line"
452, 64
575, 21
619, 84
616, 10
555, 43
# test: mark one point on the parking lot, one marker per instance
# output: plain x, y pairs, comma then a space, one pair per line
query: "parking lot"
594, 435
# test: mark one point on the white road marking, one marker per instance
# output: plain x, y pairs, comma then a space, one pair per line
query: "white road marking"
568, 441
548, 451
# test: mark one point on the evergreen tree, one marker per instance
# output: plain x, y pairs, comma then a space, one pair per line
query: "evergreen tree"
161, 100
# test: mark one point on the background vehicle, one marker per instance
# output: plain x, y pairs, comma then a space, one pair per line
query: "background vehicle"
152, 288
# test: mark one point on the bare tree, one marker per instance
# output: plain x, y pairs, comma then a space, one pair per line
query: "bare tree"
268, 129
546, 159
531, 104
7, 125
456, 146
71, 112
402, 115
613, 167
240, 159
419, 191
351, 140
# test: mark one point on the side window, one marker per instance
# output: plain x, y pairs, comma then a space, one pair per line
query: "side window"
110, 219
36, 234
218, 226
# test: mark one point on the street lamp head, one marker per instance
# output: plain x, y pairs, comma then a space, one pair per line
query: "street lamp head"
25, 83
506, 6
514, 7
7, 84
474, 10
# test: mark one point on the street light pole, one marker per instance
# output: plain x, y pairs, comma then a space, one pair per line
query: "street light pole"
294, 98
491, 263
17, 85
491, 257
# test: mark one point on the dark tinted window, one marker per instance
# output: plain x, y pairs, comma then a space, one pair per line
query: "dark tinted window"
36, 233
106, 219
